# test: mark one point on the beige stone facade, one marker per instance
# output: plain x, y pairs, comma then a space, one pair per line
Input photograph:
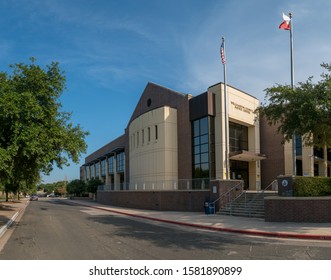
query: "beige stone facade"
241, 110
154, 147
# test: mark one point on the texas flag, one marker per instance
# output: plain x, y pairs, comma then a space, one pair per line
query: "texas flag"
286, 24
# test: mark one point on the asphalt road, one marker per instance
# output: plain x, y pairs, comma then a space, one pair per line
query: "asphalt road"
54, 229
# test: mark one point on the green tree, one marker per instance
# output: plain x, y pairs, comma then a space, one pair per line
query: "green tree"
35, 134
92, 185
60, 191
58, 188
304, 110
76, 187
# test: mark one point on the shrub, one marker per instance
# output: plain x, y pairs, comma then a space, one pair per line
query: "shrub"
312, 186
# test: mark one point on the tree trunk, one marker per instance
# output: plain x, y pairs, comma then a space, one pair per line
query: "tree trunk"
6, 196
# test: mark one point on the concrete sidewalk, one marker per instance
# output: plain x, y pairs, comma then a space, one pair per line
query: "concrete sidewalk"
233, 224
250, 226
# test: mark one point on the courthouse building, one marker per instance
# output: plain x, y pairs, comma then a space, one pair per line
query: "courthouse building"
173, 139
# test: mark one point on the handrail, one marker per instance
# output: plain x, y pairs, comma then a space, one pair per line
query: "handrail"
271, 184
248, 206
159, 185
224, 194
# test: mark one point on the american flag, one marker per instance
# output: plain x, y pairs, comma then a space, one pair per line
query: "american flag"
223, 53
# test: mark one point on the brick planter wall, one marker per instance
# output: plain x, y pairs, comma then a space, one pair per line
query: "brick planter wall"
298, 209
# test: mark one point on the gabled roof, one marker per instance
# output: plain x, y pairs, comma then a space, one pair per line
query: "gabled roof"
155, 96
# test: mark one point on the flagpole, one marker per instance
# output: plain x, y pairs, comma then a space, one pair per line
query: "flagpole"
294, 167
226, 119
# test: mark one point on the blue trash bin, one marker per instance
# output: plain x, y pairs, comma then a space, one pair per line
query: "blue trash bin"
206, 206
211, 207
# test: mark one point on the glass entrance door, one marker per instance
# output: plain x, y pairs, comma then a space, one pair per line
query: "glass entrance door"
239, 171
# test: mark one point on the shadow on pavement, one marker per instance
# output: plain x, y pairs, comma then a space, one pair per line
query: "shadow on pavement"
163, 236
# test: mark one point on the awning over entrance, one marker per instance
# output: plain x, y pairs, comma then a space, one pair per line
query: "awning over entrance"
246, 156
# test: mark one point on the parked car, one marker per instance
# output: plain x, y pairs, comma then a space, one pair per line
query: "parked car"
34, 197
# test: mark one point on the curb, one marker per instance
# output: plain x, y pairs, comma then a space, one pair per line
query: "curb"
4, 228
214, 228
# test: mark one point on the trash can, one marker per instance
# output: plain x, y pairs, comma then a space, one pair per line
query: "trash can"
206, 206
211, 207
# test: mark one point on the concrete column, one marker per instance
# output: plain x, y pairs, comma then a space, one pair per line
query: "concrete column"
87, 172
99, 173
288, 160
254, 171
116, 177
254, 167
324, 167
107, 173
307, 161
220, 167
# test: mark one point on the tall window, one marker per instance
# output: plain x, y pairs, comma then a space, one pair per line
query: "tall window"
298, 145
103, 167
120, 162
111, 165
156, 132
87, 172
97, 169
201, 148
238, 138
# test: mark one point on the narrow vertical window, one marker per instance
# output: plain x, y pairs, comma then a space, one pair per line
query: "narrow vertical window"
156, 133
134, 140
142, 137
149, 134
137, 139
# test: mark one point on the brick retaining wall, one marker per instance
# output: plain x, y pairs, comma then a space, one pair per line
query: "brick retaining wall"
298, 209
180, 200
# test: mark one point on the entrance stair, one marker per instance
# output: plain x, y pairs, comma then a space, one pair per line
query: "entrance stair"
248, 204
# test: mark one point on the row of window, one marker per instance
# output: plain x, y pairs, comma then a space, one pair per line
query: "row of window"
318, 152
139, 137
238, 137
93, 170
204, 148
201, 155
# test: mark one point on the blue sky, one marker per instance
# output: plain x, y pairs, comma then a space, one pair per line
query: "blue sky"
110, 50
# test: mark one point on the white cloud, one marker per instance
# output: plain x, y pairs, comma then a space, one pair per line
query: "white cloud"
258, 54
